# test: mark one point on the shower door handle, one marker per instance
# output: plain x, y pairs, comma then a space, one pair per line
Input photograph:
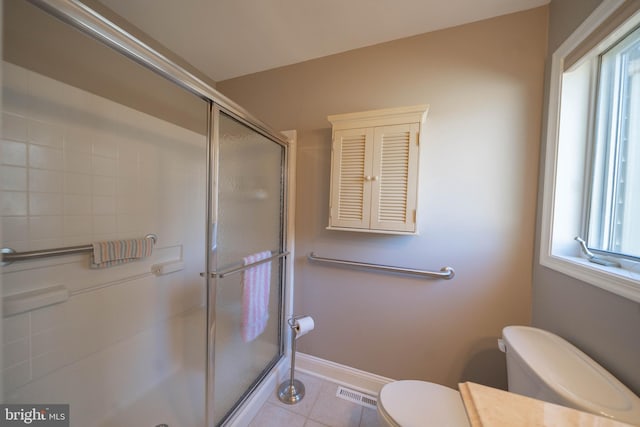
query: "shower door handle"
243, 267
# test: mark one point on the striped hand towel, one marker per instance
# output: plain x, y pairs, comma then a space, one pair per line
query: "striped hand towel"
115, 252
255, 296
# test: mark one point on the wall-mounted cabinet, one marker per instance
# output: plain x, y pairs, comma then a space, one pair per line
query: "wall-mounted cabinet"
374, 170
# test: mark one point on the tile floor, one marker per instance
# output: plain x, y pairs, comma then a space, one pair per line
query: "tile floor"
319, 408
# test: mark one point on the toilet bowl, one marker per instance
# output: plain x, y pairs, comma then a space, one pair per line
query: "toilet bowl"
412, 403
546, 367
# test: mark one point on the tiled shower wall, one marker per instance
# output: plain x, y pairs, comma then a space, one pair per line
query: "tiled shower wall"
77, 168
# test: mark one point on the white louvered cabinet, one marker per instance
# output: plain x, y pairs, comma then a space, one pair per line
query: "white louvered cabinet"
374, 170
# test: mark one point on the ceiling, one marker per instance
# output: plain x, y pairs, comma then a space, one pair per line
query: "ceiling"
231, 38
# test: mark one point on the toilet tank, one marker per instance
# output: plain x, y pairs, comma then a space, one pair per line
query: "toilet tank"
546, 367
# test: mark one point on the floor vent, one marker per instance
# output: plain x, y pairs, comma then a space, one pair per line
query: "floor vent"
357, 397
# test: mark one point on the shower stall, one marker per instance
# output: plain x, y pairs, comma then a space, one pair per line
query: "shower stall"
106, 139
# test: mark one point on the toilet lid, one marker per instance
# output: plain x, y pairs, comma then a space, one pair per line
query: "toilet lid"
413, 403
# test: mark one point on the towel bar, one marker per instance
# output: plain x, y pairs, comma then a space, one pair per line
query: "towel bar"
446, 273
233, 270
9, 255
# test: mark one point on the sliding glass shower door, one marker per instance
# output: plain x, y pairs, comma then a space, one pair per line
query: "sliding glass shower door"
248, 218
97, 148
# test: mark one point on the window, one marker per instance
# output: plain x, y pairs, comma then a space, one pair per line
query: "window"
592, 165
614, 214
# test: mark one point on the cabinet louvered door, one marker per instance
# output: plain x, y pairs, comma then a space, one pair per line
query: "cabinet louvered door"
394, 182
350, 190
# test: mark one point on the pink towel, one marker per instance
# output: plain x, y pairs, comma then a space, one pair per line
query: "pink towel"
115, 252
255, 296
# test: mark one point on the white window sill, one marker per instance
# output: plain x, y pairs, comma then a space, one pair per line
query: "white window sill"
621, 281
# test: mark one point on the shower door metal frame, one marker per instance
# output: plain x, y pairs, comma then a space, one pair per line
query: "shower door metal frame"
212, 267
107, 32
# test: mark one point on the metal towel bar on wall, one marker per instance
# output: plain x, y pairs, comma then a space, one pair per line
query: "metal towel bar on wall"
446, 273
9, 255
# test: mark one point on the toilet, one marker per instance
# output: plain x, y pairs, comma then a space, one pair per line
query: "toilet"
411, 403
546, 367
540, 365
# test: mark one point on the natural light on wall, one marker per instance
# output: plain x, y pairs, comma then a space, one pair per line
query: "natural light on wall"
591, 207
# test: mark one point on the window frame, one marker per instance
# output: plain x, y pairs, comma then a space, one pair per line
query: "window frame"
605, 172
565, 200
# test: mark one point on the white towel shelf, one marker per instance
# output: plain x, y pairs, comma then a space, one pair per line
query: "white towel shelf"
168, 267
32, 300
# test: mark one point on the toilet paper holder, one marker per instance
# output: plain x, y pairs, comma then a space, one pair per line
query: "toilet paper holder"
292, 391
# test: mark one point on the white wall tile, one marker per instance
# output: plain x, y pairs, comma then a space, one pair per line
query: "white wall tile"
129, 224
103, 146
48, 134
45, 204
104, 224
129, 204
14, 228
13, 178
77, 225
105, 237
14, 127
127, 186
62, 101
35, 245
42, 157
15, 327
13, 153
129, 148
104, 185
104, 166
128, 167
45, 181
78, 140
77, 183
48, 362
16, 376
104, 205
46, 318
45, 342
13, 203
15, 352
77, 204
75, 161
77, 240
45, 227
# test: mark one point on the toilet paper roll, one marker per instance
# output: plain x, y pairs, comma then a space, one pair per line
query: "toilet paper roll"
304, 325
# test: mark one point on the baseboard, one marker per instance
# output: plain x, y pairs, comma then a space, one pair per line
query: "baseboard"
347, 376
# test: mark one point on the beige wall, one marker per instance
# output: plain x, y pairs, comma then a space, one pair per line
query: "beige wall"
604, 325
484, 82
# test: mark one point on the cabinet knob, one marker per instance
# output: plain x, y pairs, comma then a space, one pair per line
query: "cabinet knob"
374, 178
367, 178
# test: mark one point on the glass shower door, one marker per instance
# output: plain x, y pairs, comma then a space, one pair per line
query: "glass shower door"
97, 148
247, 227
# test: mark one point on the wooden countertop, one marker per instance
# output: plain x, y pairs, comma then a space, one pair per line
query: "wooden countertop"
491, 407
